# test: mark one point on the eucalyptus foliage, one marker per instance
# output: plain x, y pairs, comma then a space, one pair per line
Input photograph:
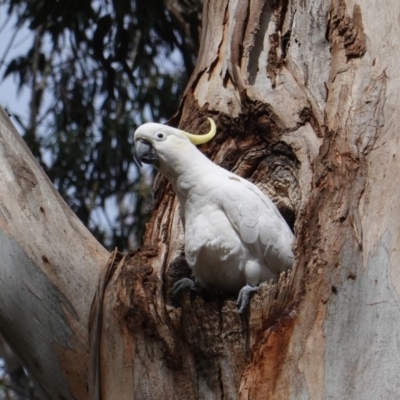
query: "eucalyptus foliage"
94, 71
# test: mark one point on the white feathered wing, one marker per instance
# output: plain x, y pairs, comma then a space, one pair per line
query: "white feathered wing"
234, 234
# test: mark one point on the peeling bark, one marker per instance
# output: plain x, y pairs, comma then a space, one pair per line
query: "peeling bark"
300, 105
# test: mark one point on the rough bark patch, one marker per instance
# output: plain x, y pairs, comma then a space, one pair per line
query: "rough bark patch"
347, 31
268, 361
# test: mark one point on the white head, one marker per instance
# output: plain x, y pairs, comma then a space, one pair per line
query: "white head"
158, 144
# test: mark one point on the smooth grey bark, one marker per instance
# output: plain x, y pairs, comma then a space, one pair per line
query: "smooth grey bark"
48, 273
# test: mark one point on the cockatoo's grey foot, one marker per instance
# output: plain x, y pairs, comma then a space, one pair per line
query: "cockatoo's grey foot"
245, 294
185, 284
181, 285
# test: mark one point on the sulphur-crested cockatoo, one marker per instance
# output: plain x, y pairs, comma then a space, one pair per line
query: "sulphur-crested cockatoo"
235, 237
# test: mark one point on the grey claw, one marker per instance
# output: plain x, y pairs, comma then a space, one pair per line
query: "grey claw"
244, 297
181, 285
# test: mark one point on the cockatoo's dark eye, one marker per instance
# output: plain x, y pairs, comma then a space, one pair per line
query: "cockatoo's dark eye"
160, 135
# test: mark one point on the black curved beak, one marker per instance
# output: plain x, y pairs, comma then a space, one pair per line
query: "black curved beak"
145, 152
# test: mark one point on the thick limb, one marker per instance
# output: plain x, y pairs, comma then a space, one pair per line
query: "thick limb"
244, 297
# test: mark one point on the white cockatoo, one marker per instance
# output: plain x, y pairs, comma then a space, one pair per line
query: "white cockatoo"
235, 237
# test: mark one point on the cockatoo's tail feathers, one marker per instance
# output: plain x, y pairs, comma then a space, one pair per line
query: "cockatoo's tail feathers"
200, 139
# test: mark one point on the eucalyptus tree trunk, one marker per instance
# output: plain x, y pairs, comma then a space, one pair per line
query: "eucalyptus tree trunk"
304, 94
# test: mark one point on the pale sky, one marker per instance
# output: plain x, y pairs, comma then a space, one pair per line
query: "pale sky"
18, 104
8, 87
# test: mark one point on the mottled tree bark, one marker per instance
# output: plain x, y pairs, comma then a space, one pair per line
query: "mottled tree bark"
304, 94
